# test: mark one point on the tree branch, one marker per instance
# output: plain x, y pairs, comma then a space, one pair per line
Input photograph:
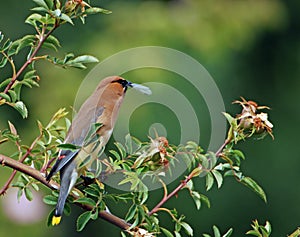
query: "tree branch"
183, 183
8, 182
42, 39
16, 165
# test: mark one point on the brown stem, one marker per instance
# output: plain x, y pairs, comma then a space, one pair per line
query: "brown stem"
173, 193
183, 183
8, 182
16, 165
219, 151
31, 58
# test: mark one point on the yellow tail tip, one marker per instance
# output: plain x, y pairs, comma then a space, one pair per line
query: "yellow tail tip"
56, 220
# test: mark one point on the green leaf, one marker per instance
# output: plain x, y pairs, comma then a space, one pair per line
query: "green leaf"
212, 159
115, 154
21, 108
35, 186
66, 18
216, 231
31, 20
27, 40
5, 82
128, 144
24, 178
121, 149
205, 200
197, 199
28, 194
5, 96
6, 45
123, 234
39, 9
49, 3
228, 233
67, 209
166, 232
50, 200
196, 172
95, 214
12, 128
253, 232
41, 3
68, 146
53, 40
98, 168
239, 153
85, 59
47, 136
68, 57
19, 184
268, 227
95, 10
3, 62
218, 177
188, 229
13, 48
49, 218
30, 82
209, 181
85, 161
92, 192
131, 212
19, 194
250, 183
86, 201
30, 74
83, 220
177, 234
229, 118
13, 95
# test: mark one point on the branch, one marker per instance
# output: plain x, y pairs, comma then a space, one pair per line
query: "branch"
183, 183
8, 182
16, 165
173, 193
30, 59
295, 233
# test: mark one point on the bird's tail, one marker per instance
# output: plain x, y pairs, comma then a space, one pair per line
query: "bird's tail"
68, 177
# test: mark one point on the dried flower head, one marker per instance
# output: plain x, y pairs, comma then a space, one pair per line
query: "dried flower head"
156, 155
72, 5
139, 232
251, 120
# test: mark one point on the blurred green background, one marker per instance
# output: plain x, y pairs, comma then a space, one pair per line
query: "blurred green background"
251, 49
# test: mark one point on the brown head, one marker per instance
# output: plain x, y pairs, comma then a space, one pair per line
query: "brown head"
101, 107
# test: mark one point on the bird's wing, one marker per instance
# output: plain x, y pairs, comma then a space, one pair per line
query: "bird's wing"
76, 135
65, 156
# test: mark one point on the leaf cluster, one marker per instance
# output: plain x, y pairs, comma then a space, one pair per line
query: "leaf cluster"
47, 16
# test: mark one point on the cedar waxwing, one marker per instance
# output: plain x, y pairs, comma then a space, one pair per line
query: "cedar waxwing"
101, 108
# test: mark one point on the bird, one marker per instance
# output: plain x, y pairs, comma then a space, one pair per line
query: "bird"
98, 112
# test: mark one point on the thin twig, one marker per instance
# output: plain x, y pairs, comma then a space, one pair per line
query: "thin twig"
182, 184
10, 179
173, 193
31, 58
16, 165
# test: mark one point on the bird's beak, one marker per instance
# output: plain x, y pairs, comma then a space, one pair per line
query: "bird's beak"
143, 89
